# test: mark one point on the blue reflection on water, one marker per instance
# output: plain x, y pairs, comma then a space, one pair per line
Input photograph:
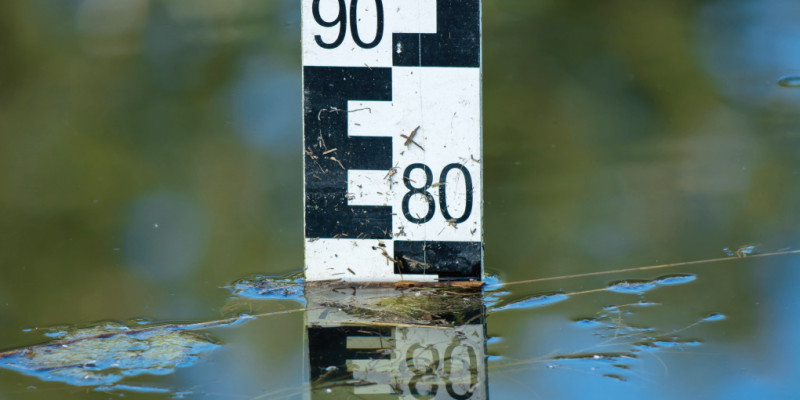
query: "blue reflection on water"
106, 353
767, 366
748, 45
537, 300
263, 287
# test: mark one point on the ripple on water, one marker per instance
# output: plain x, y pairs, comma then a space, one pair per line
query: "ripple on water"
632, 286
491, 279
628, 341
494, 340
714, 317
661, 343
675, 279
639, 286
56, 334
131, 388
532, 301
494, 297
603, 357
588, 323
615, 377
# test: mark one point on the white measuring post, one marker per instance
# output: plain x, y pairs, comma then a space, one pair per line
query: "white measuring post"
392, 140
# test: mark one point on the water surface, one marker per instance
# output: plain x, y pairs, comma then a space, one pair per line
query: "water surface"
150, 177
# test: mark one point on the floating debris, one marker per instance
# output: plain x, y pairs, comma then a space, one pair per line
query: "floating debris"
415, 306
286, 287
106, 353
742, 252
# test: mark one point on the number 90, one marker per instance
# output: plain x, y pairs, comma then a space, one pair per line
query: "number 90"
341, 20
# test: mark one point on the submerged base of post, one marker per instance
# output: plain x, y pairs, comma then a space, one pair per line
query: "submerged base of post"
334, 283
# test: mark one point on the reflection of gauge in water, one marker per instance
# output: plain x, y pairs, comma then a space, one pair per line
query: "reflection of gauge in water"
380, 341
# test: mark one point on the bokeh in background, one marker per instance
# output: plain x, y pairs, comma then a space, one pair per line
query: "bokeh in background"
150, 153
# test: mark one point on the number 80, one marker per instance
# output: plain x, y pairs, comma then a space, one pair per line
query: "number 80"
423, 190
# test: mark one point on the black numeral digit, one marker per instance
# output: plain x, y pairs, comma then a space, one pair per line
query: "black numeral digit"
420, 372
447, 370
421, 190
429, 368
354, 25
341, 20
443, 194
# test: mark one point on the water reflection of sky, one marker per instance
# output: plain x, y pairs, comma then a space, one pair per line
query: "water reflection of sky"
747, 46
711, 357
768, 363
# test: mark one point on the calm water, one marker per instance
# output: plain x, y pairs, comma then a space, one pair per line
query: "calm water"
150, 171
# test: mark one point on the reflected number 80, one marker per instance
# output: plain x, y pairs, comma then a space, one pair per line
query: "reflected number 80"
431, 369
442, 193
341, 20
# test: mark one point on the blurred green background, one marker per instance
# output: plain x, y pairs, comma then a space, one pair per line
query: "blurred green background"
150, 154
150, 151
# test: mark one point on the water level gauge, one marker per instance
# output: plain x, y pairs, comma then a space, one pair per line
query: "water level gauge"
392, 140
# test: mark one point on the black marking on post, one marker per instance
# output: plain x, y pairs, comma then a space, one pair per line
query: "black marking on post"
327, 347
327, 90
456, 42
458, 260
